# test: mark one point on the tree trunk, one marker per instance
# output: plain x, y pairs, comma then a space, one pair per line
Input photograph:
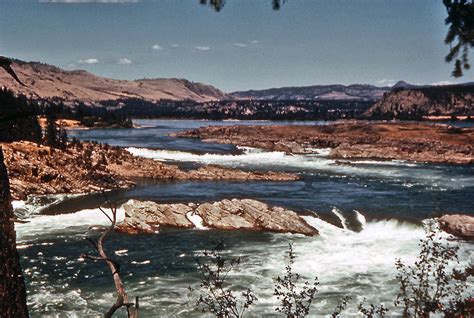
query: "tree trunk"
12, 285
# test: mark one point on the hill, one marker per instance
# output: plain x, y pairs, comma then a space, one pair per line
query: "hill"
416, 102
47, 81
317, 92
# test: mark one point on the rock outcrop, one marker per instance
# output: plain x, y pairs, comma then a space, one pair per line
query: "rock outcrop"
235, 214
458, 225
88, 167
353, 140
416, 102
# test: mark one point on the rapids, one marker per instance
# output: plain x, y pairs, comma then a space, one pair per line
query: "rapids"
368, 214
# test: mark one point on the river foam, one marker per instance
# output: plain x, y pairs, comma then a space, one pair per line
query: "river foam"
408, 174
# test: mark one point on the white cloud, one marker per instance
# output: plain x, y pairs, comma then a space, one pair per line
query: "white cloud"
89, 1
255, 42
124, 61
174, 45
157, 47
202, 48
238, 44
441, 83
89, 61
386, 82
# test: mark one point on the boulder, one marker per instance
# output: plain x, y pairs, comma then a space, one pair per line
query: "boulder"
458, 225
235, 214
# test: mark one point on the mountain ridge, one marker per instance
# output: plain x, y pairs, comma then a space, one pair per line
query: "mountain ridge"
49, 81
316, 92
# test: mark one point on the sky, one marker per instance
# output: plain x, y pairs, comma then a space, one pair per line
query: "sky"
245, 46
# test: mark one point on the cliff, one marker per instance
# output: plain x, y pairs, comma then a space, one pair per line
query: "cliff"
416, 102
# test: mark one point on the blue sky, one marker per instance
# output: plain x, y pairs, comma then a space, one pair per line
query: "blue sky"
245, 46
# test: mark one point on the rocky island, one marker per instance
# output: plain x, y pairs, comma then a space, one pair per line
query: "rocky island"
235, 214
84, 167
353, 140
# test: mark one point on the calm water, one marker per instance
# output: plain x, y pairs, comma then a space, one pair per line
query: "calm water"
368, 213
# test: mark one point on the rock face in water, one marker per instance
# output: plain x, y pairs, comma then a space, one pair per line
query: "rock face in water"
235, 214
458, 225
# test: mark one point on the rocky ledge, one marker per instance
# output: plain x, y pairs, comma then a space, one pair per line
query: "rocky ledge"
353, 140
458, 225
88, 167
235, 214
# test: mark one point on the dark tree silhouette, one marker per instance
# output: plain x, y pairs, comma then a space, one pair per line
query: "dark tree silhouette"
460, 35
18, 119
5, 63
219, 4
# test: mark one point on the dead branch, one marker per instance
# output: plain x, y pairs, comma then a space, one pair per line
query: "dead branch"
122, 296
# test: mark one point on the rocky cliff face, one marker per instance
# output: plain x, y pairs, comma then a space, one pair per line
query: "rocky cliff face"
47, 81
414, 103
12, 286
316, 92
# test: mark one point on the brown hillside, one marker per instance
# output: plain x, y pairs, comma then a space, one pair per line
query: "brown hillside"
46, 81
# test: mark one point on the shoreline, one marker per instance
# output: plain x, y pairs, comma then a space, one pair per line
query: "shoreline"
85, 167
416, 142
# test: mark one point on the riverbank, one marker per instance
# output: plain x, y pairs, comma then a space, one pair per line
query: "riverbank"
353, 140
88, 167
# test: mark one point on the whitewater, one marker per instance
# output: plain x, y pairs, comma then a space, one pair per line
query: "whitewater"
368, 213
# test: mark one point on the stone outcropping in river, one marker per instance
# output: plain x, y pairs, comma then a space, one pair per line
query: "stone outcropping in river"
353, 140
12, 286
89, 167
458, 225
235, 214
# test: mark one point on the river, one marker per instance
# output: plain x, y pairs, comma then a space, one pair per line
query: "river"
368, 213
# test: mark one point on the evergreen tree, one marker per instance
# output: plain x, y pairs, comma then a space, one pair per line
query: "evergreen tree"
18, 120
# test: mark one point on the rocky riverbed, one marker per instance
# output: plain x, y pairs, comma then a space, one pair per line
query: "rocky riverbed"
235, 214
87, 167
353, 140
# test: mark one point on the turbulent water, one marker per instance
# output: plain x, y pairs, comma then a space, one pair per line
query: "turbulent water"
368, 213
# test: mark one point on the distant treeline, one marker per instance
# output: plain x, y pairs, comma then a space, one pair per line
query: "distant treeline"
241, 109
19, 120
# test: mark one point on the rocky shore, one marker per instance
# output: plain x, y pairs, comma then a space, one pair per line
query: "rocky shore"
87, 167
353, 140
235, 214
